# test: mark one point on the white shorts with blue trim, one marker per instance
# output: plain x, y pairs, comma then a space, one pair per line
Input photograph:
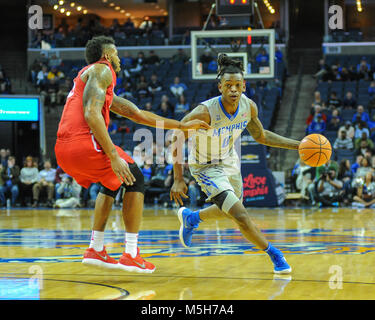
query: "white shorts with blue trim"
216, 178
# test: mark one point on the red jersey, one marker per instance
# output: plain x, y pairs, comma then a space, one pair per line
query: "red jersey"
73, 125
77, 151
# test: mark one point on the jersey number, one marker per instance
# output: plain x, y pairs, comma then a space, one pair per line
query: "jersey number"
226, 141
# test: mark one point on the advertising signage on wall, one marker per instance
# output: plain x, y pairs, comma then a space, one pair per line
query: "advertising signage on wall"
19, 108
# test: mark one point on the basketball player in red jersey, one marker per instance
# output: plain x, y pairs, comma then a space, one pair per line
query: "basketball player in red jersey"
85, 151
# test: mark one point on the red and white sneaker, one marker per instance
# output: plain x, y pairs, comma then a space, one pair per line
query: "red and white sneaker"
99, 259
137, 264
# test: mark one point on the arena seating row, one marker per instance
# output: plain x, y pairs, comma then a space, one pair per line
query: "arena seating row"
347, 114
359, 89
157, 38
167, 71
354, 35
347, 60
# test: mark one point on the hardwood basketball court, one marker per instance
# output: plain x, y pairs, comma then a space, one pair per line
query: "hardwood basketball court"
331, 251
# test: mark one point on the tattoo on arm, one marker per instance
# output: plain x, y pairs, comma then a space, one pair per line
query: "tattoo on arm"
255, 128
99, 78
124, 107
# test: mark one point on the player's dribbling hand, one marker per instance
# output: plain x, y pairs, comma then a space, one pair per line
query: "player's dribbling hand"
122, 171
195, 124
178, 189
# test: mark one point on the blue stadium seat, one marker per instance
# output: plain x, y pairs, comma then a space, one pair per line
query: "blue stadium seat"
337, 84
363, 83
157, 41
327, 112
331, 136
350, 86
189, 94
266, 123
143, 101
330, 59
130, 41
344, 154
274, 91
323, 85
270, 101
337, 87
128, 137
363, 100
347, 114
117, 138
324, 96
362, 91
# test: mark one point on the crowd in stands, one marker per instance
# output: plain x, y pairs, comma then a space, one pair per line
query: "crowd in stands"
65, 35
138, 80
34, 184
350, 35
50, 81
144, 79
149, 32
343, 111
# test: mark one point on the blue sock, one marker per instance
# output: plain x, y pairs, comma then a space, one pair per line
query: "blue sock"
271, 250
194, 218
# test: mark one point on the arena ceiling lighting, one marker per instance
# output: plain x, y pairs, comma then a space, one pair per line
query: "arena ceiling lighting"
269, 6
109, 9
359, 5
66, 7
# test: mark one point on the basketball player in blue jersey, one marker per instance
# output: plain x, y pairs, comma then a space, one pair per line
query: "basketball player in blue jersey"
214, 163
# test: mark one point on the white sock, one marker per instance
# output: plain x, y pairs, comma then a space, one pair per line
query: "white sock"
131, 243
97, 240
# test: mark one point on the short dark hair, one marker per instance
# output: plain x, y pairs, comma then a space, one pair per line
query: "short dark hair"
228, 65
94, 48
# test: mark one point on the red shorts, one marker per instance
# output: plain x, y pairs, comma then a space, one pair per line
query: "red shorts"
85, 161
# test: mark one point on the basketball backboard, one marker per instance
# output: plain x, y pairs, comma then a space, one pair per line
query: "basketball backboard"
255, 47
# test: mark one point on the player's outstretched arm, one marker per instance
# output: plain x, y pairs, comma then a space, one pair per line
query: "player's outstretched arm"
127, 109
266, 137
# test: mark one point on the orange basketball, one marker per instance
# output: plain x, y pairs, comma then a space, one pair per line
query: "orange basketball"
315, 150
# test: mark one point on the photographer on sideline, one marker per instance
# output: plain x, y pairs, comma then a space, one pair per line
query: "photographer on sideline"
329, 189
69, 191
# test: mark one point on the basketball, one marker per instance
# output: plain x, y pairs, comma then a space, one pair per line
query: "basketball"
315, 150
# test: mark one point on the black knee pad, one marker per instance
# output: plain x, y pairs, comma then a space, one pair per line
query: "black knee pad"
225, 200
108, 192
139, 184
219, 199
